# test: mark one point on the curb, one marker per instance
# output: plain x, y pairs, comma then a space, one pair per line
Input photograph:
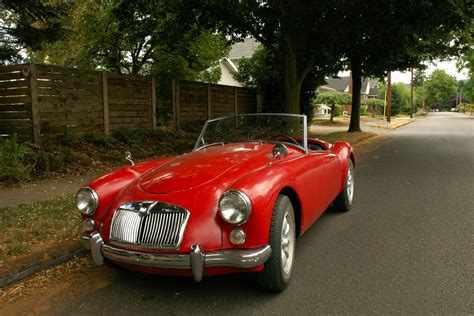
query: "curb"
16, 275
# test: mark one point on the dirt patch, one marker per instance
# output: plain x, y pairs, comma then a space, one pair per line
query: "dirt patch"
38, 294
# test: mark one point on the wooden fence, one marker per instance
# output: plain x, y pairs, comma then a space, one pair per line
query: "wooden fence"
197, 101
41, 100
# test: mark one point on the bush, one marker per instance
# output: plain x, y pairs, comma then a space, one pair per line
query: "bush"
16, 161
129, 136
98, 139
337, 110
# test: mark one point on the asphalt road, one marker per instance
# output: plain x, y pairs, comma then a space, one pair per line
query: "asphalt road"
407, 246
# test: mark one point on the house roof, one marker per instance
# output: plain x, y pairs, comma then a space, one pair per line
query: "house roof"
341, 84
244, 49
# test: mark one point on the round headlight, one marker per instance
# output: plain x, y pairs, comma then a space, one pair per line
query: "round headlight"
235, 207
87, 201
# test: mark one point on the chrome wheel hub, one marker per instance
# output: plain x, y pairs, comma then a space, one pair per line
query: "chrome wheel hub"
287, 244
350, 184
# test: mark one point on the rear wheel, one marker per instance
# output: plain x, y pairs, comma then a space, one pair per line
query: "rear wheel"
343, 201
278, 269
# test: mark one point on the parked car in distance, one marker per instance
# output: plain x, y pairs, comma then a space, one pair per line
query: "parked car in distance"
251, 186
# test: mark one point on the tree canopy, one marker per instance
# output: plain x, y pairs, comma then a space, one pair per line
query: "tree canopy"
440, 89
137, 37
25, 23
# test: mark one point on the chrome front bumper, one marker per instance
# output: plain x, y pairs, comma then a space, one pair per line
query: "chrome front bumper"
196, 260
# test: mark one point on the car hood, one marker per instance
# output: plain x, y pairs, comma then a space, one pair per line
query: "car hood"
197, 168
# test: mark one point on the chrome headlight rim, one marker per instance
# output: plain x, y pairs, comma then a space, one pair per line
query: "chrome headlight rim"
95, 200
246, 201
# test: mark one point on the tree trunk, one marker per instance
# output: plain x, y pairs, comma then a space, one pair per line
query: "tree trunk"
293, 78
333, 108
356, 67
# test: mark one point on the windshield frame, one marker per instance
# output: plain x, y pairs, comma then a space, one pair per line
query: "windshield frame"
305, 130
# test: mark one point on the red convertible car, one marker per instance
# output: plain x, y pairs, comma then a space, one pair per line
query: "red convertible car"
237, 202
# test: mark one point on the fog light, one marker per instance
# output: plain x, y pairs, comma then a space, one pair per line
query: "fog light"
237, 236
88, 225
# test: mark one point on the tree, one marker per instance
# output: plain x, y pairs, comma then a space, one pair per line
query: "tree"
333, 98
377, 37
30, 24
440, 88
296, 31
137, 37
259, 72
374, 103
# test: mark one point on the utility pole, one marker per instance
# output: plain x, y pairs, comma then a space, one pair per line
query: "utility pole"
389, 96
411, 94
423, 90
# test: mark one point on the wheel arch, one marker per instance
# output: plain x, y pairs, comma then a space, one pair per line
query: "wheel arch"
295, 201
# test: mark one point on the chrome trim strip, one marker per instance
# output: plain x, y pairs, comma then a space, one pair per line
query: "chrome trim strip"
234, 258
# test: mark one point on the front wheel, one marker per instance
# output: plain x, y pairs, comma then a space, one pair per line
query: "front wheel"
343, 201
277, 271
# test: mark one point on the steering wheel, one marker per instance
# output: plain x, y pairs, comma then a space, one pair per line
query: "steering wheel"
292, 140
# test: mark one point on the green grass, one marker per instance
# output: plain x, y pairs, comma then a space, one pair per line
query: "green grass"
23, 226
351, 138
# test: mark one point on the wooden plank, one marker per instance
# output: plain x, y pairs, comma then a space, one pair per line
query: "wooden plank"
132, 126
12, 68
45, 76
55, 99
14, 83
130, 113
105, 103
52, 130
11, 76
14, 115
24, 132
15, 100
128, 107
72, 84
128, 120
63, 70
129, 101
153, 104
71, 106
15, 107
14, 92
16, 123
114, 75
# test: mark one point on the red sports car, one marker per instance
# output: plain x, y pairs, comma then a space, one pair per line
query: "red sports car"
237, 202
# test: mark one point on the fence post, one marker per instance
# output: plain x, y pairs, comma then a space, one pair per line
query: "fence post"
235, 100
153, 103
35, 116
259, 97
105, 103
208, 101
175, 87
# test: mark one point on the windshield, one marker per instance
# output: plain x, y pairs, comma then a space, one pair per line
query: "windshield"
287, 128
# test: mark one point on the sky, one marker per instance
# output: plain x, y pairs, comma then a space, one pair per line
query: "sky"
448, 66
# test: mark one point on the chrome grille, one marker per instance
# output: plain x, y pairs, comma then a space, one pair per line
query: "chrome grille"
153, 225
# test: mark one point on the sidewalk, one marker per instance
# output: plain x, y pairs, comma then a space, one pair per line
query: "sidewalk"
367, 124
44, 189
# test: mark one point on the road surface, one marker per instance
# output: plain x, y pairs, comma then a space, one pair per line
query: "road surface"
407, 246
